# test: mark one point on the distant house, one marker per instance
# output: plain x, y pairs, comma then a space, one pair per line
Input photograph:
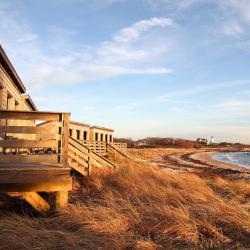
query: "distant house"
141, 143
101, 134
206, 141
79, 131
85, 132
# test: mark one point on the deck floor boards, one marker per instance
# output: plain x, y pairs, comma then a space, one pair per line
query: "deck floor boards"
34, 177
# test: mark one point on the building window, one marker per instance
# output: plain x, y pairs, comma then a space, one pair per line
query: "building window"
78, 134
70, 132
85, 135
101, 137
96, 136
110, 138
106, 138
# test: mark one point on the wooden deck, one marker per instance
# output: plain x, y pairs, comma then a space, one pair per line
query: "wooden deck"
34, 178
35, 158
32, 159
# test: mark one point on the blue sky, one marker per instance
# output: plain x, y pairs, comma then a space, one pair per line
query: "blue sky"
143, 67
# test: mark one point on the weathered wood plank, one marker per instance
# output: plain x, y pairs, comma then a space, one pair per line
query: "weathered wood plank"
24, 130
27, 115
78, 159
114, 148
32, 176
80, 169
84, 156
20, 143
78, 145
29, 158
37, 187
101, 160
80, 148
94, 163
31, 166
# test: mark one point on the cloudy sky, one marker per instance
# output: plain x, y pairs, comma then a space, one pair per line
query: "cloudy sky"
174, 68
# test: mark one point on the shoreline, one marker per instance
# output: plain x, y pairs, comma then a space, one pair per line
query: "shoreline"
207, 158
203, 164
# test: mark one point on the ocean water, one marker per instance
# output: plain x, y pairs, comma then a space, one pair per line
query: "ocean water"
238, 158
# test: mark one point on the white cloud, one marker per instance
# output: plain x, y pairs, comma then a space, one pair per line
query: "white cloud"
234, 104
41, 62
133, 32
232, 28
27, 38
232, 16
199, 89
240, 7
174, 4
176, 97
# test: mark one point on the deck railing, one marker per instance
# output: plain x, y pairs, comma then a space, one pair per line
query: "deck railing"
97, 147
23, 141
101, 147
120, 145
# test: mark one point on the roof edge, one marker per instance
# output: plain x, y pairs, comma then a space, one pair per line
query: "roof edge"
80, 123
29, 101
108, 129
11, 71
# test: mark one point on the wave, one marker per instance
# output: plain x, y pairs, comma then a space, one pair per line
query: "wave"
238, 158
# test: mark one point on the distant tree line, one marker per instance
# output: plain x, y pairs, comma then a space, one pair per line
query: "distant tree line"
159, 142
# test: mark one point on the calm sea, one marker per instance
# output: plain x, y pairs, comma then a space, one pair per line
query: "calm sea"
238, 158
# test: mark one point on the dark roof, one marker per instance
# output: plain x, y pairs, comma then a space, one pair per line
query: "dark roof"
103, 128
4, 60
30, 102
80, 124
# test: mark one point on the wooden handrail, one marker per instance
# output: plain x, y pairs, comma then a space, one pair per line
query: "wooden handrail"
20, 135
86, 152
117, 150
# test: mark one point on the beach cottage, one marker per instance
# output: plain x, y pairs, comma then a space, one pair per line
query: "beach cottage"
101, 134
40, 149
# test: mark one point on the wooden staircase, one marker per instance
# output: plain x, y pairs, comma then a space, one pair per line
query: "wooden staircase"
116, 150
82, 159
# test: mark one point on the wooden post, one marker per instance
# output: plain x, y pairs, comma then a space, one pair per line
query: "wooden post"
34, 199
61, 200
3, 99
65, 139
3, 106
89, 163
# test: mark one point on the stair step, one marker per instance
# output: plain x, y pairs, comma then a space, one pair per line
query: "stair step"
79, 169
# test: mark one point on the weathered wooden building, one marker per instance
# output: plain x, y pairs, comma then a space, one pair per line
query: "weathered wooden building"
12, 91
101, 134
38, 149
79, 131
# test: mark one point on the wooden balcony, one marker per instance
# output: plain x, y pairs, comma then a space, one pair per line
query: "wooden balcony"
32, 158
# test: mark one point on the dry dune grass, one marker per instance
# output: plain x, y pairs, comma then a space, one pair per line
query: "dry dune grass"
152, 153
139, 207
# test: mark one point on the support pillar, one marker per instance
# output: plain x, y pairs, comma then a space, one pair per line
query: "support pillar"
61, 200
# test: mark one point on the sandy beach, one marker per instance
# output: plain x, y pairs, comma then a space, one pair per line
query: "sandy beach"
198, 161
206, 158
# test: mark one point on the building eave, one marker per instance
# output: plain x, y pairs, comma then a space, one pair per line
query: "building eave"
103, 128
80, 124
7, 65
30, 102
